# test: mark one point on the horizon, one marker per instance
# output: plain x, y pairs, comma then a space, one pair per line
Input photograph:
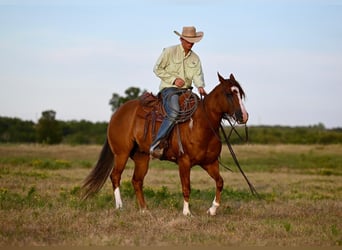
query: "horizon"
237, 125
71, 56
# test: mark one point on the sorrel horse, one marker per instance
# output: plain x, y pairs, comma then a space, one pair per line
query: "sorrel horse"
200, 141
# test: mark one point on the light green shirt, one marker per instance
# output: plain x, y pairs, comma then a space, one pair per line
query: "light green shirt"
173, 64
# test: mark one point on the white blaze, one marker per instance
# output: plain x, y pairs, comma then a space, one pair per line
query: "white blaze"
242, 107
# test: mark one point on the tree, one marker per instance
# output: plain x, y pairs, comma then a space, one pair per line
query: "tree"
48, 128
131, 93
16, 130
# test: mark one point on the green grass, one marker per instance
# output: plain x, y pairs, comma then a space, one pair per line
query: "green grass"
44, 163
299, 206
30, 199
316, 159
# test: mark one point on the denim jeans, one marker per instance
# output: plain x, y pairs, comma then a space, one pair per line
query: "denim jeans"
170, 99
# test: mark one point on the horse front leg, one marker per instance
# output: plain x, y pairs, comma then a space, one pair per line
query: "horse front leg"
213, 171
184, 173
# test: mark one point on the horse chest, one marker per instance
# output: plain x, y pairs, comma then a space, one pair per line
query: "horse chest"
205, 150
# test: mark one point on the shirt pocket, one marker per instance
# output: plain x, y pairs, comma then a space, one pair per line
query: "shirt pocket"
176, 65
191, 63
191, 66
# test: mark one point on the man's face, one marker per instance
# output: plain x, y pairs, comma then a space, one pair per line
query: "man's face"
186, 45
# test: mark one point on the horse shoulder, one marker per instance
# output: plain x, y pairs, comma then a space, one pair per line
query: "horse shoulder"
200, 141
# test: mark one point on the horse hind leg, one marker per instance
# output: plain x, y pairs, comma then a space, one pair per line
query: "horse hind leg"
119, 165
141, 161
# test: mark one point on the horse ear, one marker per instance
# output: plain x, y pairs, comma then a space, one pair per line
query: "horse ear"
221, 79
231, 77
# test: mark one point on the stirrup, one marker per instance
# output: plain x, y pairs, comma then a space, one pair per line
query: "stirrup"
156, 153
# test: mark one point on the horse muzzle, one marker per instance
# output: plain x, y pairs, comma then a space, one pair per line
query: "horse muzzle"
241, 117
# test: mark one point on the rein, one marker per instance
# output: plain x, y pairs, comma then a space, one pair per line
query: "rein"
226, 138
229, 145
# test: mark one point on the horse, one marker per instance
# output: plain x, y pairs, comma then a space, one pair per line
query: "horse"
201, 144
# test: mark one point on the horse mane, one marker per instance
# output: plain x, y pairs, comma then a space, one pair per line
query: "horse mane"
237, 84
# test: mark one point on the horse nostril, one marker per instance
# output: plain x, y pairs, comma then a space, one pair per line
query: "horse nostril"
244, 118
238, 115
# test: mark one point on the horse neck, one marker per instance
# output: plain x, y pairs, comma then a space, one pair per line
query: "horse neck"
212, 110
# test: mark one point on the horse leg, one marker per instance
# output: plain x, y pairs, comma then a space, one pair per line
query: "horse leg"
184, 173
140, 170
213, 171
119, 165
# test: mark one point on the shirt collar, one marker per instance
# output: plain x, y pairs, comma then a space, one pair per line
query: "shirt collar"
183, 52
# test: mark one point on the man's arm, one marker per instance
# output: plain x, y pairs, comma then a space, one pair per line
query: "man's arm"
160, 66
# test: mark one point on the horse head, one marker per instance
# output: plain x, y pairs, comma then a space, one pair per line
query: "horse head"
234, 96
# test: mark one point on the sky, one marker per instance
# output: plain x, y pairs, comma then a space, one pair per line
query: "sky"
70, 56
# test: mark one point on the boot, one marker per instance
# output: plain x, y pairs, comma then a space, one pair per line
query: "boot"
155, 150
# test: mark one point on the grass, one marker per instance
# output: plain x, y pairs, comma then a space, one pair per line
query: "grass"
317, 159
301, 204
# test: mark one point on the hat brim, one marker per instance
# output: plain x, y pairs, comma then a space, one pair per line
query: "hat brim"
195, 39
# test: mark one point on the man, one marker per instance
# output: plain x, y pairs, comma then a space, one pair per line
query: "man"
177, 67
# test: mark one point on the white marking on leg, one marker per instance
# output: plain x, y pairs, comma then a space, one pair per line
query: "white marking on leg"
118, 201
186, 210
213, 208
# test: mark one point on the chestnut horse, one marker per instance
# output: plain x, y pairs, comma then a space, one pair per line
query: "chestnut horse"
200, 141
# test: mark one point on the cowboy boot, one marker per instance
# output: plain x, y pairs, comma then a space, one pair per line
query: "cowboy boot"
165, 128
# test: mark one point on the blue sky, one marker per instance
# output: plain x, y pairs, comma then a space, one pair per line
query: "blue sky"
70, 56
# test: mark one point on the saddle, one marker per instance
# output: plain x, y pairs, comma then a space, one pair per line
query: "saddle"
153, 109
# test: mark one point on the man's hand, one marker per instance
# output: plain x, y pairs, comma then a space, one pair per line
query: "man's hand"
179, 82
202, 91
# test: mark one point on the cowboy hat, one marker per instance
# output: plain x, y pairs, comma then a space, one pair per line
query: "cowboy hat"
190, 34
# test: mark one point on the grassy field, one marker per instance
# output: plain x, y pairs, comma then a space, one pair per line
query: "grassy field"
300, 188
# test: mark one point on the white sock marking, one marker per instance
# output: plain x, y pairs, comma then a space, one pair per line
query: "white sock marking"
213, 208
118, 201
186, 210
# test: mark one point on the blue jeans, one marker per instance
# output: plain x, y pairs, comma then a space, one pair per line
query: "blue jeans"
170, 99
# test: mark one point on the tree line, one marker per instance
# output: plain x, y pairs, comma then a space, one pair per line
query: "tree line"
49, 130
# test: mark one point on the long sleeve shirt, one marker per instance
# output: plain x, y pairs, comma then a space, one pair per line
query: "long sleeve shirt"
173, 63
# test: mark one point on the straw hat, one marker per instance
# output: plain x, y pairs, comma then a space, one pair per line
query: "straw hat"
190, 34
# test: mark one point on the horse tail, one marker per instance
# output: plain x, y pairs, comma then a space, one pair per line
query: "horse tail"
99, 174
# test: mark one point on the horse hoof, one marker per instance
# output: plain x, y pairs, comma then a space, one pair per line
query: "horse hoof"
118, 206
189, 215
146, 212
211, 211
